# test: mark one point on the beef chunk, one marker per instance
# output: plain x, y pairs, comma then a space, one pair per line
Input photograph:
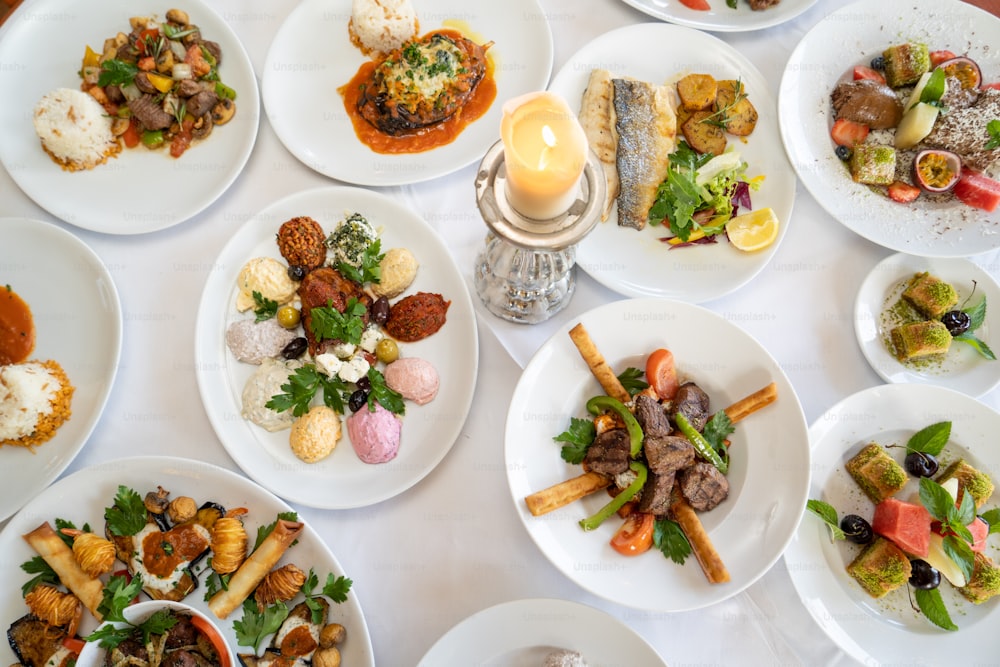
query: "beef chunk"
760, 5
201, 103
693, 403
651, 416
656, 492
179, 658
609, 453
668, 453
703, 486
182, 634
150, 113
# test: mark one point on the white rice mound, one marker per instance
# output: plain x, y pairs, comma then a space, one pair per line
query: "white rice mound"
379, 26
74, 129
34, 402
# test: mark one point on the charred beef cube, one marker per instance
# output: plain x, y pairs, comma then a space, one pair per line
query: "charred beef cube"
703, 486
692, 402
150, 113
180, 658
655, 498
201, 103
609, 453
651, 416
668, 453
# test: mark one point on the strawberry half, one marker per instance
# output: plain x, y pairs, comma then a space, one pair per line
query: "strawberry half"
848, 133
903, 192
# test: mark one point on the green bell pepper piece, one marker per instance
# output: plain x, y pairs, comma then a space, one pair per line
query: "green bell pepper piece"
701, 445
592, 522
599, 404
152, 138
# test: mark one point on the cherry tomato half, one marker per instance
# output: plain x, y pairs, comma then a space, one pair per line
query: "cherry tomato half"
635, 535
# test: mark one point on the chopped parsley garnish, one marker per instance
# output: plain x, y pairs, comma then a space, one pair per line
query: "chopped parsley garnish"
256, 625
671, 541
578, 437
328, 323
116, 72
119, 594
370, 271
128, 515
335, 588
44, 574
264, 531
388, 398
631, 379
263, 307
302, 385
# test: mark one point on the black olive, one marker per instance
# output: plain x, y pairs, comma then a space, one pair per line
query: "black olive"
297, 272
878, 62
357, 400
857, 529
843, 152
380, 310
923, 575
364, 383
957, 322
920, 464
295, 348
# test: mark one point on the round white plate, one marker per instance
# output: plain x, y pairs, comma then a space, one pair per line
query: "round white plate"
522, 632
429, 431
139, 191
637, 263
82, 497
853, 35
963, 369
721, 18
887, 631
769, 469
78, 323
312, 55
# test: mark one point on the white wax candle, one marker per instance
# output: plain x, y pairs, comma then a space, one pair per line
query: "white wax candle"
545, 150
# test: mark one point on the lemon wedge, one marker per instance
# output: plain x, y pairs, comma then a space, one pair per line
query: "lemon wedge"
754, 230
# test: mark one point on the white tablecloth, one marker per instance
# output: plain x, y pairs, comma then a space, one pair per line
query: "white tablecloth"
452, 545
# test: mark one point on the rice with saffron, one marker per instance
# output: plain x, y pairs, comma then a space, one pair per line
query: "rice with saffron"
74, 129
35, 399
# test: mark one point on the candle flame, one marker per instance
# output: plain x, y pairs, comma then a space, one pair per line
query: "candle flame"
549, 138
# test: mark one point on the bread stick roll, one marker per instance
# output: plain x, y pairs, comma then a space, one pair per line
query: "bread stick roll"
598, 366
255, 568
46, 541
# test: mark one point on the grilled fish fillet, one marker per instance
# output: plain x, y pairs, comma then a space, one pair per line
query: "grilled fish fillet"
595, 117
646, 127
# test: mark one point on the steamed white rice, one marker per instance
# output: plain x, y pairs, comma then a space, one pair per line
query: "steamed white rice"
34, 402
74, 129
379, 26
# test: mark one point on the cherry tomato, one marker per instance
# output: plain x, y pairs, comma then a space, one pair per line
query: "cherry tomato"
213, 636
146, 38
635, 535
699, 5
661, 373
131, 136
74, 644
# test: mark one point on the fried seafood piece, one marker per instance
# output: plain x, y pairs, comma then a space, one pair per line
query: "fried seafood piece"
323, 287
424, 82
301, 242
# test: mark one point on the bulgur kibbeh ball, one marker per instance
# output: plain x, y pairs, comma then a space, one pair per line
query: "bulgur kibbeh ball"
302, 242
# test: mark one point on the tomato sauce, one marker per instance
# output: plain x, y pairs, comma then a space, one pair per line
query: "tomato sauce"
163, 553
426, 138
17, 328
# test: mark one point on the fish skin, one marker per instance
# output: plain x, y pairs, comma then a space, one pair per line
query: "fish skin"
596, 112
646, 126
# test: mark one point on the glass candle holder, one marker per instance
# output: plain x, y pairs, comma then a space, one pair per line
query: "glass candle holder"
525, 271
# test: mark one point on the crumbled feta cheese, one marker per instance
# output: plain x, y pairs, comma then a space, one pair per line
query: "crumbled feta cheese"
328, 364
344, 350
355, 369
370, 338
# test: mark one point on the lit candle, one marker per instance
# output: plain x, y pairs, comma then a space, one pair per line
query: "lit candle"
545, 150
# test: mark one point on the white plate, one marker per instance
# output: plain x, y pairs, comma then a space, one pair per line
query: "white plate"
963, 368
638, 263
522, 632
82, 497
853, 35
78, 323
429, 431
769, 471
887, 631
312, 55
722, 18
139, 191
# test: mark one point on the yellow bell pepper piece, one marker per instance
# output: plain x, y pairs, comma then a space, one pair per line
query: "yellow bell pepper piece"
91, 58
160, 82
693, 236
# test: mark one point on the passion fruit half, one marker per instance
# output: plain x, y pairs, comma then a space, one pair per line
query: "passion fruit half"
936, 170
965, 70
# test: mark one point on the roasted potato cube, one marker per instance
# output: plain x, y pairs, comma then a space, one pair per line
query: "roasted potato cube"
697, 91
703, 134
735, 108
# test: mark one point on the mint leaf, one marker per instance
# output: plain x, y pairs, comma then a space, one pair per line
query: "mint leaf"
991, 517
980, 346
936, 499
934, 88
828, 514
930, 439
977, 314
932, 606
993, 127
578, 437
671, 540
960, 552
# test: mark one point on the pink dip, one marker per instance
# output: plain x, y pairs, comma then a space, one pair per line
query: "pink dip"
414, 378
374, 435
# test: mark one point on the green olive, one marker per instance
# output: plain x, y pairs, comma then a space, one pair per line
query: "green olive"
288, 317
387, 351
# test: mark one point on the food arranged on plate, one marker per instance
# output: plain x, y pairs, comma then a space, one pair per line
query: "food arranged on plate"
667, 159
564, 658
660, 452
416, 93
923, 316
917, 537
921, 123
324, 335
171, 548
157, 86
35, 396
704, 5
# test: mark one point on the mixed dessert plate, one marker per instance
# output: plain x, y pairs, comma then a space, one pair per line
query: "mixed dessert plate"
138, 191
721, 17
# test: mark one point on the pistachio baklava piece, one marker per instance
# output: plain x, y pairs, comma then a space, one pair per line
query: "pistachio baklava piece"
931, 296
880, 568
971, 480
919, 340
985, 580
877, 473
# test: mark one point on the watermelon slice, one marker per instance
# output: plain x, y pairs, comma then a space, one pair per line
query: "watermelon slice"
908, 525
974, 189
980, 531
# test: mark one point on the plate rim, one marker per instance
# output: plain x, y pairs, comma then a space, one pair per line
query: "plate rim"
712, 26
